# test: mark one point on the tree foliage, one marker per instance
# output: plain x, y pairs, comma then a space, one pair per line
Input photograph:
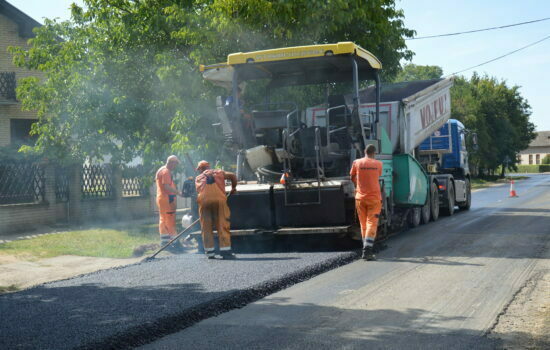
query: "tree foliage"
411, 72
121, 77
500, 117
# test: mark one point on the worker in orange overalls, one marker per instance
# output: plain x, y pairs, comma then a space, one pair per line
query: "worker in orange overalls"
213, 209
167, 204
368, 200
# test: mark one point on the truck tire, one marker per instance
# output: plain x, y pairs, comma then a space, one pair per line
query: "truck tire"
449, 210
466, 205
434, 202
426, 211
415, 217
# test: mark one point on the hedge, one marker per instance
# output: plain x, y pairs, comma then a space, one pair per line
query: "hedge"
534, 168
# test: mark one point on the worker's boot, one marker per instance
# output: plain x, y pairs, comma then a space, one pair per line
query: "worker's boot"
368, 254
175, 248
228, 255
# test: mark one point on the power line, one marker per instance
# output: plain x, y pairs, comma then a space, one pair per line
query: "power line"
477, 30
506, 54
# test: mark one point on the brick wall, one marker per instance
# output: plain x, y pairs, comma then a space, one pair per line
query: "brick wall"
9, 36
23, 217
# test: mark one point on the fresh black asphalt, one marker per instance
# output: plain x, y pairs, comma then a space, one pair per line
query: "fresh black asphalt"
133, 305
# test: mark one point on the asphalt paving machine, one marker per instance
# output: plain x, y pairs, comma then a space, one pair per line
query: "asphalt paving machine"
293, 150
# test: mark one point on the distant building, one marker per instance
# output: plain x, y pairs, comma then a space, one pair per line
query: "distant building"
15, 30
537, 150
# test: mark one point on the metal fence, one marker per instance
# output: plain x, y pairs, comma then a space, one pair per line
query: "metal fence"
96, 181
133, 187
62, 178
21, 182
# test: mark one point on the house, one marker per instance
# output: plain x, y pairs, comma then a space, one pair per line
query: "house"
537, 150
15, 30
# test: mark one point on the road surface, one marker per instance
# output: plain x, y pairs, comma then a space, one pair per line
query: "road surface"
440, 286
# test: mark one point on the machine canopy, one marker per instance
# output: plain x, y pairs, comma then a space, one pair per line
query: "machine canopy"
300, 65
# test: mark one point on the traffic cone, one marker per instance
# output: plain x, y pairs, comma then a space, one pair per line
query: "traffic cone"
512, 191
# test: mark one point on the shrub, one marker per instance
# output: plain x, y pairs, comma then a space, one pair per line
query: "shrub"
534, 168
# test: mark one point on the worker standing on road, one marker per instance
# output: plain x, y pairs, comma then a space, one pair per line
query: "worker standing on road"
167, 204
365, 173
213, 209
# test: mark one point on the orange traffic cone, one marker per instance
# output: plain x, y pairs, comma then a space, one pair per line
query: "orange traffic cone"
512, 191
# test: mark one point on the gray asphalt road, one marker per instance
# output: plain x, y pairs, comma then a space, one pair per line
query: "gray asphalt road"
440, 286
133, 305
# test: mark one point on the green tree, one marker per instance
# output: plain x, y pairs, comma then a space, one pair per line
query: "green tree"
411, 72
121, 76
500, 117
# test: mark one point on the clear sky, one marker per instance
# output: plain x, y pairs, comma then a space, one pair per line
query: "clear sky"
529, 68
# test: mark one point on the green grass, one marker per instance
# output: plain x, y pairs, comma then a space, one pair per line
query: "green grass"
116, 242
488, 181
7, 289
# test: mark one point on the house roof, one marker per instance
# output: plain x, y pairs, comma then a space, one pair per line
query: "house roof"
24, 21
542, 139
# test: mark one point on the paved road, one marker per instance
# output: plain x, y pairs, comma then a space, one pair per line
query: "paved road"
440, 286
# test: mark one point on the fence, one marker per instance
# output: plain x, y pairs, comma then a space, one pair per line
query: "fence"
54, 194
21, 183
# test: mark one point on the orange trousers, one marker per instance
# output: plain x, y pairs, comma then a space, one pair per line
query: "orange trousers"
167, 216
213, 211
368, 211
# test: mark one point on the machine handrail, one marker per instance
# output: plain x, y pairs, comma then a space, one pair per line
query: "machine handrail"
327, 116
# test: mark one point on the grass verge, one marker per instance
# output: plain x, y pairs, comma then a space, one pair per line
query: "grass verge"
96, 242
8, 289
486, 182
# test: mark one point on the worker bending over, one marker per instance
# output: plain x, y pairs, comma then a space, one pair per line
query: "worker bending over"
167, 204
213, 209
368, 201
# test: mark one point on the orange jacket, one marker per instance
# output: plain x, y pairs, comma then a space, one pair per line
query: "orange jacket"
364, 174
214, 174
164, 177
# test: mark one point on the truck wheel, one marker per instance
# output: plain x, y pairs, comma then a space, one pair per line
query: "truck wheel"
415, 217
426, 212
449, 210
434, 202
466, 205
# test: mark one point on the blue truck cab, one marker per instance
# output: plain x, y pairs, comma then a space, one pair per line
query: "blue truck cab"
445, 158
450, 144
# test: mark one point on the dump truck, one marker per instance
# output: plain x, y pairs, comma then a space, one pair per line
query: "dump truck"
306, 119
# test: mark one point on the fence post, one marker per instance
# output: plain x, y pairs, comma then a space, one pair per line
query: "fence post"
117, 191
49, 184
75, 194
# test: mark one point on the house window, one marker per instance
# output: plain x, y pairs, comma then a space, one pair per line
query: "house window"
530, 159
20, 131
538, 158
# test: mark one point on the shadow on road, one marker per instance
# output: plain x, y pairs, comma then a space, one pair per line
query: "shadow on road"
277, 325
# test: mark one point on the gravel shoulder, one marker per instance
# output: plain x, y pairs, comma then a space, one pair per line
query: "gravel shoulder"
525, 322
20, 274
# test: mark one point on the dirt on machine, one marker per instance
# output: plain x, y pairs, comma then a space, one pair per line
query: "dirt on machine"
296, 118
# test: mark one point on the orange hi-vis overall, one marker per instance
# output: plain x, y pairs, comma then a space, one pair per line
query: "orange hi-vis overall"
167, 204
368, 200
213, 210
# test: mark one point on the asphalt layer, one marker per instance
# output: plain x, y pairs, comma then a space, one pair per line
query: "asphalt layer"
133, 305
438, 286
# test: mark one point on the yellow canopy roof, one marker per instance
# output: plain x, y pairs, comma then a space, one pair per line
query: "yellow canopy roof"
296, 65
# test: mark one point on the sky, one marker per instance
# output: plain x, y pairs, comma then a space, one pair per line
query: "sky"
529, 68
